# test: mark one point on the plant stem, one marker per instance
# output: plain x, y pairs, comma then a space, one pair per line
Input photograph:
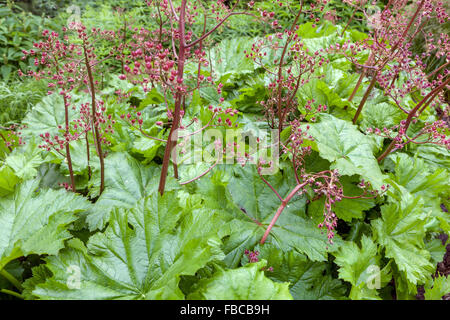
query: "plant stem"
361, 78
348, 23
66, 118
88, 156
280, 71
419, 7
384, 63
12, 293
173, 135
282, 206
424, 102
69, 158
364, 99
16, 283
96, 132
6, 141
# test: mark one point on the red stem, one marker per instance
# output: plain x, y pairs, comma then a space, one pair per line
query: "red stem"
205, 35
173, 135
94, 121
282, 206
66, 117
88, 156
348, 23
383, 64
280, 69
364, 99
6, 142
425, 101
69, 158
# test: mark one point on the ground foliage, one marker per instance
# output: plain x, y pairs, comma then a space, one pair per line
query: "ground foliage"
118, 238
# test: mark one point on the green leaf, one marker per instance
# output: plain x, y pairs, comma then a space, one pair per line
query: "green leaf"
46, 116
147, 147
153, 97
434, 155
40, 274
417, 178
308, 280
361, 267
349, 151
7, 180
36, 223
440, 287
228, 59
245, 283
401, 231
429, 183
354, 261
24, 161
141, 255
437, 250
378, 114
126, 182
248, 96
307, 31
14, 269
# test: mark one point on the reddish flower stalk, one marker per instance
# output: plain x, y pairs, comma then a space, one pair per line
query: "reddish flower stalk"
97, 137
390, 57
325, 183
284, 203
280, 70
173, 134
55, 54
69, 158
180, 93
358, 84
390, 29
413, 114
6, 142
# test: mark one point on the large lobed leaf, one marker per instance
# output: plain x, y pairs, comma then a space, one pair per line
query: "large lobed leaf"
361, 267
126, 182
308, 280
401, 230
35, 222
245, 283
250, 206
141, 255
349, 151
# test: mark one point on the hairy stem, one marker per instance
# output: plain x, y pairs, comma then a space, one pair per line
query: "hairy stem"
348, 23
66, 118
6, 141
361, 78
88, 156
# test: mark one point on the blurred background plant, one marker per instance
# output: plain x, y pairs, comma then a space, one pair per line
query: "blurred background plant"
18, 30
17, 98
